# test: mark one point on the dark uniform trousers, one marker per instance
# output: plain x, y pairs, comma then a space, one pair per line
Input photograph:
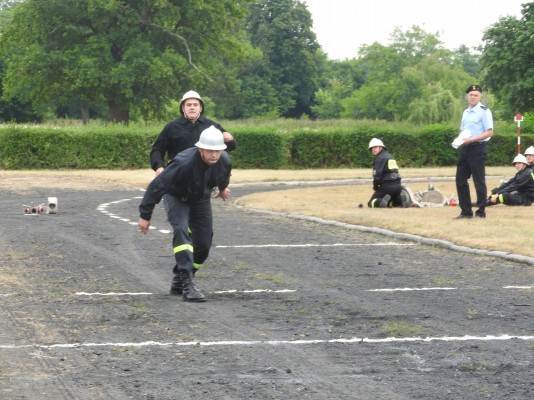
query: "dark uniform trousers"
471, 162
192, 225
514, 199
392, 188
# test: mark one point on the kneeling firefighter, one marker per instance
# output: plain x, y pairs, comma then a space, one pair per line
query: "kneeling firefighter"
388, 191
518, 191
187, 181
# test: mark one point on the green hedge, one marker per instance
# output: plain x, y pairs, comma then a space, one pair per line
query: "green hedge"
263, 147
59, 148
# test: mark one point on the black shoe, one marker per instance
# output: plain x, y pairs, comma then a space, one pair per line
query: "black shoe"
177, 286
385, 201
462, 216
480, 214
190, 291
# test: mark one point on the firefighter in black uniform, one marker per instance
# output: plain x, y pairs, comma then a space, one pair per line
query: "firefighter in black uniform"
180, 134
183, 132
518, 191
187, 183
386, 178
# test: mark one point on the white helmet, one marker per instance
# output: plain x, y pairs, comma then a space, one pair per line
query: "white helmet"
211, 139
191, 94
529, 151
376, 142
520, 158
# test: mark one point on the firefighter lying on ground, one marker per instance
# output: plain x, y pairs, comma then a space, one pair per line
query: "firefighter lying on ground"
518, 191
388, 191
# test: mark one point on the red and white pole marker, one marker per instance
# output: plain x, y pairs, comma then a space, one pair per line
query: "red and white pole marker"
518, 118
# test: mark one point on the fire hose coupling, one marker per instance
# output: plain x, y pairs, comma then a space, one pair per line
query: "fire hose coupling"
50, 207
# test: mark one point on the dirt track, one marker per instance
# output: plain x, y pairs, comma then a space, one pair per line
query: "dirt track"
154, 346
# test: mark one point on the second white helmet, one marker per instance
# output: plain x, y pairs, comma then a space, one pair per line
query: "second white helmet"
520, 158
191, 94
211, 139
529, 151
375, 142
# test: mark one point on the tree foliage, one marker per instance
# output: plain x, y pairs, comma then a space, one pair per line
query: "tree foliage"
282, 30
508, 60
130, 55
413, 79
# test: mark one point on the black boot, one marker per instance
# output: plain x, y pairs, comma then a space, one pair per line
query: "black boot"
177, 285
190, 291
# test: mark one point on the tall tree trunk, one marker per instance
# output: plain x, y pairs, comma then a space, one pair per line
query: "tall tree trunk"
84, 113
118, 110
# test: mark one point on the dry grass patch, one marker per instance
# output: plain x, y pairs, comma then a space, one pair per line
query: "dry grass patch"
505, 229
24, 180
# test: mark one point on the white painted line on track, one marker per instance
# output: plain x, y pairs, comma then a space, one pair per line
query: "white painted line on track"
354, 340
255, 291
234, 291
411, 289
518, 287
312, 245
114, 294
230, 291
103, 209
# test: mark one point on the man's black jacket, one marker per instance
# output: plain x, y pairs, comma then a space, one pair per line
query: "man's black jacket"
522, 182
188, 178
179, 135
385, 169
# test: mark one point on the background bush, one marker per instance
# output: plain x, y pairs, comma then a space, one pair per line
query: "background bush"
304, 145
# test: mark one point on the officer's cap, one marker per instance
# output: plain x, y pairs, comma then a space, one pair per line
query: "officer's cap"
474, 87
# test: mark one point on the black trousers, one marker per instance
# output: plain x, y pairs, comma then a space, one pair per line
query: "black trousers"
392, 188
515, 199
192, 225
471, 162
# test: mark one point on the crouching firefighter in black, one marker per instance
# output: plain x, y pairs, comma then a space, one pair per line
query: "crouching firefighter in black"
518, 191
386, 178
187, 182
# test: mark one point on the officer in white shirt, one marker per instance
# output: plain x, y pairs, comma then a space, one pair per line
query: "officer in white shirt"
478, 121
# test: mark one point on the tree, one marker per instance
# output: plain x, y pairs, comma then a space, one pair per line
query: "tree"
132, 55
342, 78
468, 60
282, 29
414, 79
507, 60
13, 109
